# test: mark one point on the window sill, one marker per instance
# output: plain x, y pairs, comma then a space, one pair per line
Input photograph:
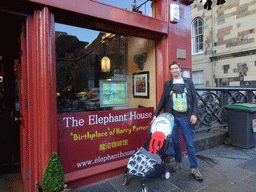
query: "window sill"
198, 53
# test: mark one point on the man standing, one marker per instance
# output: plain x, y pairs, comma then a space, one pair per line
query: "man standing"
179, 99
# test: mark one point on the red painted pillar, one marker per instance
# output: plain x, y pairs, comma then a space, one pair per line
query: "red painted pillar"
162, 59
38, 96
179, 38
180, 34
23, 98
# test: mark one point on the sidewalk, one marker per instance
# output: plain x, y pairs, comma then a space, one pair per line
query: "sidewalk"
224, 168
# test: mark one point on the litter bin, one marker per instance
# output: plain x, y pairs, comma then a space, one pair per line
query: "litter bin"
241, 125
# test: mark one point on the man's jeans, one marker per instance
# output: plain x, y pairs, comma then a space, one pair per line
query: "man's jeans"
187, 132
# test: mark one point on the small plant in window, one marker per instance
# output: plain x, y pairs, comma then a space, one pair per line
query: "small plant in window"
140, 59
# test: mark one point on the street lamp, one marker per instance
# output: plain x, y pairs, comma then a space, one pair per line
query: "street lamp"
105, 64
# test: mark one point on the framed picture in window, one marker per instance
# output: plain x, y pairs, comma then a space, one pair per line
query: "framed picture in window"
141, 84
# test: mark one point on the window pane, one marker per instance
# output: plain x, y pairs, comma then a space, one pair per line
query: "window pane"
199, 42
200, 30
200, 38
198, 78
201, 46
197, 31
197, 39
86, 59
195, 23
199, 22
197, 48
193, 33
141, 5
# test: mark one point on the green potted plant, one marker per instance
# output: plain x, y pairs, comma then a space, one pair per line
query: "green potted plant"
140, 59
53, 178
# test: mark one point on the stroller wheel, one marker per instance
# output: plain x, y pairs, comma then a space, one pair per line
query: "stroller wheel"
167, 175
144, 189
125, 180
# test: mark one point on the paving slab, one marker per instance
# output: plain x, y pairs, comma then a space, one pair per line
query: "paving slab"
227, 186
158, 184
98, 187
249, 165
225, 168
250, 181
234, 173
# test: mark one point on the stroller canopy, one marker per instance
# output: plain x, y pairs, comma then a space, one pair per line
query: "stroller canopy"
163, 123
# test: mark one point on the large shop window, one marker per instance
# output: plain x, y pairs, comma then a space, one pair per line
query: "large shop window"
95, 70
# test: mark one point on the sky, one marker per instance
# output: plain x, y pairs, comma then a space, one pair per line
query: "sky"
82, 34
88, 35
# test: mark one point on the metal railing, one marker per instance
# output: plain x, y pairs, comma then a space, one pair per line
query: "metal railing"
211, 113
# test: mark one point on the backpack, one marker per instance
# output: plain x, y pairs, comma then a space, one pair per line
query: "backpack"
180, 101
157, 141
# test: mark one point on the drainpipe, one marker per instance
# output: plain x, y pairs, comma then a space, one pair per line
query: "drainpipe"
213, 52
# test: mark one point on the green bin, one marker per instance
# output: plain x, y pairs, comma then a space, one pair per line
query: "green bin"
241, 125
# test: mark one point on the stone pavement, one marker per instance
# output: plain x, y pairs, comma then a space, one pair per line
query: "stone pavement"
224, 168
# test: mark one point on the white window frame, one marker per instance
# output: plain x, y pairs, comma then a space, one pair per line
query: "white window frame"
196, 34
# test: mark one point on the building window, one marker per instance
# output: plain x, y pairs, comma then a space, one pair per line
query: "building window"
198, 78
226, 68
197, 36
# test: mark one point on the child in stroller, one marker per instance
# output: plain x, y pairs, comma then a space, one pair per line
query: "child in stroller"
148, 160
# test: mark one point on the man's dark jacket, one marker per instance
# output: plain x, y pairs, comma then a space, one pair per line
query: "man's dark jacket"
166, 99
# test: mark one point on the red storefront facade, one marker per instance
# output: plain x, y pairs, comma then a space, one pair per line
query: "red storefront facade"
37, 69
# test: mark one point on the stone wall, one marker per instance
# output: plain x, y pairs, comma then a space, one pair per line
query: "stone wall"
229, 43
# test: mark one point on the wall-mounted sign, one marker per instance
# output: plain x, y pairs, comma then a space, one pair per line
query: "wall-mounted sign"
174, 13
95, 138
181, 54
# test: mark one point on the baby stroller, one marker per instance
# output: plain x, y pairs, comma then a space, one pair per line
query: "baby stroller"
148, 160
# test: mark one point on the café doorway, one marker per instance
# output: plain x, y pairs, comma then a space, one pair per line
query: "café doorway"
9, 93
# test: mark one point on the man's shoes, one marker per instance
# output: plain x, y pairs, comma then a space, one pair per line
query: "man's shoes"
197, 174
177, 166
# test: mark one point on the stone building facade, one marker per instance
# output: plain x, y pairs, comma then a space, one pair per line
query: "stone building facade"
223, 44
